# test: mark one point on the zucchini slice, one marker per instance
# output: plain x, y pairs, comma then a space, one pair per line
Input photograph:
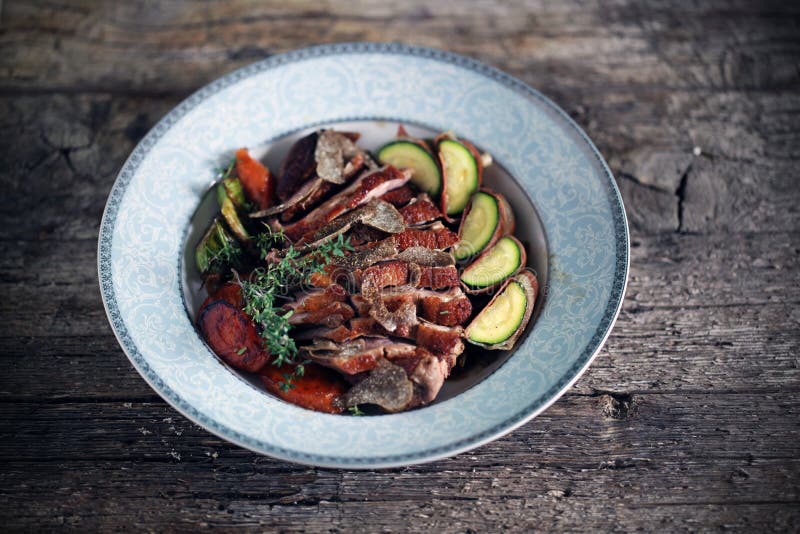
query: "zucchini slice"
231, 217
505, 258
409, 155
503, 320
217, 250
460, 175
488, 217
232, 188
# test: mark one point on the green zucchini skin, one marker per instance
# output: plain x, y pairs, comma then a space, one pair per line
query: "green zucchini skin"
408, 154
209, 254
473, 275
479, 226
500, 336
500, 223
461, 175
232, 188
231, 216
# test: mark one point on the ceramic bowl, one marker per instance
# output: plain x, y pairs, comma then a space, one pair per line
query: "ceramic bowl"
569, 215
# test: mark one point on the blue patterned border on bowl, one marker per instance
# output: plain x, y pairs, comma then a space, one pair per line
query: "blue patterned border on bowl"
600, 252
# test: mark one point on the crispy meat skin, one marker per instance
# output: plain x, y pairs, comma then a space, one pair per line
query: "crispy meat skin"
421, 210
316, 299
319, 191
441, 340
439, 277
400, 196
297, 166
446, 308
398, 273
331, 315
365, 188
436, 238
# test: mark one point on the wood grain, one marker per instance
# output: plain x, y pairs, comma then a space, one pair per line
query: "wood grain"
688, 419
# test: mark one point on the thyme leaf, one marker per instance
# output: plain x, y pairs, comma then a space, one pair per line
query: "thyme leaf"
266, 284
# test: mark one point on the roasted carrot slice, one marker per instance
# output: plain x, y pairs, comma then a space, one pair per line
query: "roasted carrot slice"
319, 389
257, 181
232, 336
230, 293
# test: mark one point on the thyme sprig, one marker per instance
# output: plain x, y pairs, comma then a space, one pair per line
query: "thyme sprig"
267, 284
229, 254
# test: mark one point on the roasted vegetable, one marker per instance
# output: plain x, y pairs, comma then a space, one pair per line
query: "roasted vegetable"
230, 293
487, 218
232, 336
318, 388
257, 182
231, 187
228, 210
502, 321
217, 251
502, 260
405, 154
460, 172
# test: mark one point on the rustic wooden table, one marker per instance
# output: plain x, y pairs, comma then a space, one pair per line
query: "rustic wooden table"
689, 417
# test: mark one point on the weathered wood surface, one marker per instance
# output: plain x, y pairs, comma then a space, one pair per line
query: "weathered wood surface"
688, 420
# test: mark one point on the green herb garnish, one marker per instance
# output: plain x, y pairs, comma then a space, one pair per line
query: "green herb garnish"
355, 411
268, 240
266, 284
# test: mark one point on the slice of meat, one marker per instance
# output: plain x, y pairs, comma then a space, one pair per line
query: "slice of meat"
257, 182
365, 188
450, 308
319, 389
337, 334
444, 341
375, 214
408, 381
232, 336
446, 308
439, 277
362, 259
434, 238
428, 377
331, 315
362, 237
316, 299
297, 166
400, 196
421, 210
320, 190
398, 273
398, 316
351, 357
385, 274
426, 257
306, 199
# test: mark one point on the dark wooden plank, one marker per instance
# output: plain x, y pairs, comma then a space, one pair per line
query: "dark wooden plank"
653, 426
181, 46
579, 454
